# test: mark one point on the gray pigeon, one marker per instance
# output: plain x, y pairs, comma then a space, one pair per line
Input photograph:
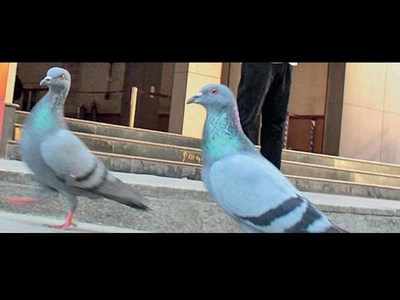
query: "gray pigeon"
60, 160
247, 186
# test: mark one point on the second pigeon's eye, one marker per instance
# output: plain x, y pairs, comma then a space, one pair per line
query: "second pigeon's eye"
214, 91
62, 76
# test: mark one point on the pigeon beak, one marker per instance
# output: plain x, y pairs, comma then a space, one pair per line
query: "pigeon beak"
194, 99
46, 81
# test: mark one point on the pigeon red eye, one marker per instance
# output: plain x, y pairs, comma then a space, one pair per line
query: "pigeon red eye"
214, 91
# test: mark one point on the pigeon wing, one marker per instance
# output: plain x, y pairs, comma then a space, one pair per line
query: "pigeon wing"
255, 192
73, 164
69, 158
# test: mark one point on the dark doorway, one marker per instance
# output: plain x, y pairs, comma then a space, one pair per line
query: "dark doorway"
102, 91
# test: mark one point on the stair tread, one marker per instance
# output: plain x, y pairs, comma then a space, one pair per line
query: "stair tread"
318, 179
196, 185
184, 138
293, 163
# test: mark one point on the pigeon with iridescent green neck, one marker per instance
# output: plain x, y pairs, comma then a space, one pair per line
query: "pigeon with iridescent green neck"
247, 186
60, 160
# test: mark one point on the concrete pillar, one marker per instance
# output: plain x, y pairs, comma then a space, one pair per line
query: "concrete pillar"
334, 107
178, 97
8, 73
188, 79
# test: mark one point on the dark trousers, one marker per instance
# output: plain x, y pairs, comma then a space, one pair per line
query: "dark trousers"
264, 90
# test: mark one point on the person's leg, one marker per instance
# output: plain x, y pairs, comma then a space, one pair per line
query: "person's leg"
254, 83
274, 115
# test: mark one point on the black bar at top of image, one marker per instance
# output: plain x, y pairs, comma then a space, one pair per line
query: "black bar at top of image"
104, 48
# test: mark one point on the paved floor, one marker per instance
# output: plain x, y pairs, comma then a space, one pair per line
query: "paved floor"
357, 213
19, 223
194, 185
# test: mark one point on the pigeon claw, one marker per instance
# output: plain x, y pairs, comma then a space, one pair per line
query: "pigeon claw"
67, 224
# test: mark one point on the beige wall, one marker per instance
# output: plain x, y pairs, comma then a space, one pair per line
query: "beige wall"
189, 78
371, 112
308, 92
199, 74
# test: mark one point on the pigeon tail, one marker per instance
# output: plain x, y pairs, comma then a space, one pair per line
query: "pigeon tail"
115, 189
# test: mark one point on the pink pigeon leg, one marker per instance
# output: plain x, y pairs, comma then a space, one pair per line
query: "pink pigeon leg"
68, 222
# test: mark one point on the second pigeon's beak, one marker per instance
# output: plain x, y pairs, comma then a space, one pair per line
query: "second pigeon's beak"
194, 99
46, 81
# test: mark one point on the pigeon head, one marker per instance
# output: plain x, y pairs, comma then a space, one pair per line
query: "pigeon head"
57, 79
214, 96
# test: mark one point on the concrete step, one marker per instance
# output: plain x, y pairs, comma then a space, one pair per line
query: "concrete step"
133, 164
177, 154
180, 205
116, 145
173, 169
190, 151
336, 173
341, 162
123, 132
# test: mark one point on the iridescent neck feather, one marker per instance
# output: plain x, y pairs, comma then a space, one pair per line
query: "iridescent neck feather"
48, 113
223, 134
